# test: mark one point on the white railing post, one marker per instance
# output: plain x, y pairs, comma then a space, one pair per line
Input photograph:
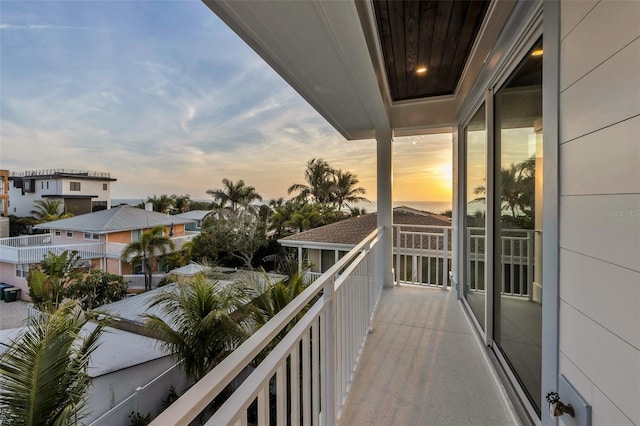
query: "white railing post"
445, 257
329, 365
398, 251
530, 267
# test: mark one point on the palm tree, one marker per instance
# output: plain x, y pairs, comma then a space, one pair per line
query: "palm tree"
518, 189
181, 203
43, 375
49, 210
306, 217
268, 298
281, 214
162, 203
236, 194
199, 328
345, 189
47, 283
318, 176
146, 250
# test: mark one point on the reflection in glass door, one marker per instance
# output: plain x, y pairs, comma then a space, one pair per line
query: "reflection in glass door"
475, 214
517, 260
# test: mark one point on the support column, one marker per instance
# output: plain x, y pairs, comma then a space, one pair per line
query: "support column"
384, 138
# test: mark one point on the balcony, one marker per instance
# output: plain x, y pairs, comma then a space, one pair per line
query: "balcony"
358, 355
33, 248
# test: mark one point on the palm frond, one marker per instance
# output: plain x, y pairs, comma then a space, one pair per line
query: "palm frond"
43, 376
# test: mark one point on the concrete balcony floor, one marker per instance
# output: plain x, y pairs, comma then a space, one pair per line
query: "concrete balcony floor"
423, 365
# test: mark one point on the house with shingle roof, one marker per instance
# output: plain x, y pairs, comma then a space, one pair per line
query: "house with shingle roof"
99, 238
325, 245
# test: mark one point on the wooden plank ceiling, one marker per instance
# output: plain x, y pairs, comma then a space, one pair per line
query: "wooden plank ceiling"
436, 34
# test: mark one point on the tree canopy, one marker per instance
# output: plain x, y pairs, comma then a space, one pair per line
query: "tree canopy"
48, 210
43, 375
151, 244
327, 185
199, 329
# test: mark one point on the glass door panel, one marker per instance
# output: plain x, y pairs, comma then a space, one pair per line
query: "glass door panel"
475, 214
518, 223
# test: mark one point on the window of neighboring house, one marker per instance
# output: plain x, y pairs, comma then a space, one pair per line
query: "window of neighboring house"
41, 185
327, 260
198, 224
74, 186
136, 234
22, 270
91, 236
47, 186
137, 268
104, 186
57, 233
69, 234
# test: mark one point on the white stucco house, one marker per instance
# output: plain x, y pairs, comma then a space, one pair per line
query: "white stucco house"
80, 191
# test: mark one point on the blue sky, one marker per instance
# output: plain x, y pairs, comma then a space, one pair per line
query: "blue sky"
169, 100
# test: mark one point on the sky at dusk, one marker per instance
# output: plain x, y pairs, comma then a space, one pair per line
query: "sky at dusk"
169, 100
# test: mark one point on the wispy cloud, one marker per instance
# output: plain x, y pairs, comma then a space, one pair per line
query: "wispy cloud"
172, 102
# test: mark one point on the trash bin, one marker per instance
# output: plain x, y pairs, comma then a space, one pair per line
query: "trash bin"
11, 294
2, 287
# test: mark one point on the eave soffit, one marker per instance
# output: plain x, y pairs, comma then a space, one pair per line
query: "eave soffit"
330, 53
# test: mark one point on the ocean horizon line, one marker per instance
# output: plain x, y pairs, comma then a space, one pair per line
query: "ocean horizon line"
434, 206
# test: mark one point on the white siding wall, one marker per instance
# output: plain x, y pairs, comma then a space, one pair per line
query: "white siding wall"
600, 206
21, 205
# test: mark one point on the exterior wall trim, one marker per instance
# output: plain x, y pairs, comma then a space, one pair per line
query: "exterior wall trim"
551, 196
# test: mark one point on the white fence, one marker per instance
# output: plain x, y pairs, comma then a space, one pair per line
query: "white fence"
305, 377
137, 281
146, 399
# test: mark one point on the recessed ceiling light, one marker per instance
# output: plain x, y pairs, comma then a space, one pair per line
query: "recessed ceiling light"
537, 52
421, 70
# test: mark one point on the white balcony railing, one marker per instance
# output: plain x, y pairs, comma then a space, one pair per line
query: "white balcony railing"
27, 241
422, 254
306, 376
35, 254
312, 276
423, 257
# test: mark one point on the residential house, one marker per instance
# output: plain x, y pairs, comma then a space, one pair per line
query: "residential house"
80, 191
325, 245
99, 238
197, 216
544, 93
4, 203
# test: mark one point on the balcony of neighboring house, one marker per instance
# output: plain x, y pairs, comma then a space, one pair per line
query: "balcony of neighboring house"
32, 248
362, 351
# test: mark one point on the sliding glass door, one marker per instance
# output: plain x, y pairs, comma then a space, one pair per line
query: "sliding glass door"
517, 223
475, 214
